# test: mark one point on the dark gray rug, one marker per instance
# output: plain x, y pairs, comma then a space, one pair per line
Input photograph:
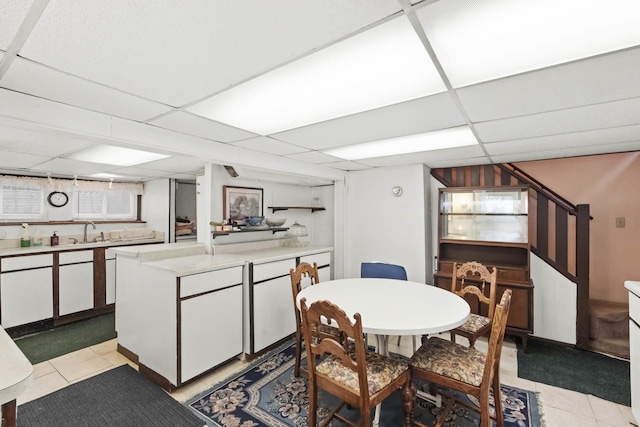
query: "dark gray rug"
119, 397
578, 370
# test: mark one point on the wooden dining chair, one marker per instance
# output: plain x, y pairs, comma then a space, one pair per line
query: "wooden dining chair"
357, 376
383, 270
465, 369
469, 280
302, 271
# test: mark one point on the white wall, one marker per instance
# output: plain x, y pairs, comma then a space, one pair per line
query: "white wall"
382, 227
156, 206
554, 303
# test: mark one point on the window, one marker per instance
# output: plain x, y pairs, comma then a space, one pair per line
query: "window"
21, 200
108, 204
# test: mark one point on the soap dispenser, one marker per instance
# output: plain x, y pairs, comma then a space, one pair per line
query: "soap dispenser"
54, 239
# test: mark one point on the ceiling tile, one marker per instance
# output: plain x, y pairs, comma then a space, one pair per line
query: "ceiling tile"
348, 166
269, 145
72, 167
174, 53
606, 115
313, 157
12, 13
460, 154
556, 152
565, 141
52, 114
184, 122
135, 171
605, 78
406, 118
176, 164
14, 160
22, 138
34, 79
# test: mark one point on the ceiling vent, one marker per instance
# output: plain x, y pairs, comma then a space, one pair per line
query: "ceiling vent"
232, 171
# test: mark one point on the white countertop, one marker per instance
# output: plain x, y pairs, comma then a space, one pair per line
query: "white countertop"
150, 253
34, 250
260, 256
16, 373
194, 264
633, 286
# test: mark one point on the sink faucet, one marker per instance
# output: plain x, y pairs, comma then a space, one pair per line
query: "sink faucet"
85, 230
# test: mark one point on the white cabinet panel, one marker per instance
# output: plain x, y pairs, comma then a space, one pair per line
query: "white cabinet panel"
269, 270
273, 317
76, 288
321, 259
26, 296
205, 282
27, 261
211, 330
110, 270
74, 257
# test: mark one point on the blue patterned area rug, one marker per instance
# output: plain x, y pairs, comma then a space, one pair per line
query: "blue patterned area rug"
267, 394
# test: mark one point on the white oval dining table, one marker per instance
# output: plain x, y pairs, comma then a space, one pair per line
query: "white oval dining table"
392, 307
16, 376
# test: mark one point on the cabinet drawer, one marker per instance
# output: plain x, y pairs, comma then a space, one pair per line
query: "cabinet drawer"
27, 262
209, 281
270, 270
322, 259
75, 257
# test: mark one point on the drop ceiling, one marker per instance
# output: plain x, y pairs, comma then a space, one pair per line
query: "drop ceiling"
273, 87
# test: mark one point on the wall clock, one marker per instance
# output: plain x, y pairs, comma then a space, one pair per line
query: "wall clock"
58, 199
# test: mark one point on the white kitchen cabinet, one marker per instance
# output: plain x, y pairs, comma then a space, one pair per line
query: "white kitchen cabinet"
323, 260
269, 305
26, 289
75, 282
211, 321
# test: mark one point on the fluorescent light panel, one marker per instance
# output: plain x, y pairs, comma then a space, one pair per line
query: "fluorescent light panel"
481, 41
382, 66
437, 140
105, 175
110, 155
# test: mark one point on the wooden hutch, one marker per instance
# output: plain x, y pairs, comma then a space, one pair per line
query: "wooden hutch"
489, 225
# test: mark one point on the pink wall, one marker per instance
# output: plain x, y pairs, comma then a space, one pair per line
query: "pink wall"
610, 184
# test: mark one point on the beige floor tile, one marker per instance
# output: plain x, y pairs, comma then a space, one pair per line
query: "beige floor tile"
117, 359
554, 417
43, 385
567, 400
80, 364
607, 412
105, 347
43, 368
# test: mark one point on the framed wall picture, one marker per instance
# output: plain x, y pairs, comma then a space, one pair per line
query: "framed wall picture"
241, 202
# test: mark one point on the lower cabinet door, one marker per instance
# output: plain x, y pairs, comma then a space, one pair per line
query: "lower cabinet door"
26, 296
110, 272
76, 288
273, 315
210, 330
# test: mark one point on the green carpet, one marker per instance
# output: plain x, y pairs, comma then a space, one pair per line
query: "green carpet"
65, 339
577, 370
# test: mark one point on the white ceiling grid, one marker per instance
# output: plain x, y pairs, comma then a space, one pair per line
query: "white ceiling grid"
147, 75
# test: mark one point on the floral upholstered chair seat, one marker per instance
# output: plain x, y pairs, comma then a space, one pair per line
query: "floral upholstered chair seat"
475, 323
381, 371
450, 360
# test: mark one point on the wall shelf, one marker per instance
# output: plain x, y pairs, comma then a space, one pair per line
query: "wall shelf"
214, 234
284, 208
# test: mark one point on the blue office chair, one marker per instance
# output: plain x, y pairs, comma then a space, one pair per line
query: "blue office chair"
383, 270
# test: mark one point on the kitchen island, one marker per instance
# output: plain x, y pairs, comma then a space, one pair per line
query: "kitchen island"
180, 311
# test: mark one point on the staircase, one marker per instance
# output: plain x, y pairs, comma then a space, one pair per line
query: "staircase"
609, 331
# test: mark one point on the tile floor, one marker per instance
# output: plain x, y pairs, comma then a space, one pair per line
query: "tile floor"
560, 407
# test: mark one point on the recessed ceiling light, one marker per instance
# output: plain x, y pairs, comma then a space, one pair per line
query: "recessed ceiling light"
437, 140
481, 41
110, 155
105, 175
382, 66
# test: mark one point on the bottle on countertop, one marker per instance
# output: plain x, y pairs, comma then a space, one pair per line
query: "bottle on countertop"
54, 239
